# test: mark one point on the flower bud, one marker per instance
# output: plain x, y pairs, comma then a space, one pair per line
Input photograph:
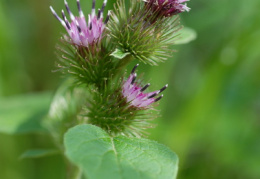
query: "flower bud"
137, 31
123, 107
81, 53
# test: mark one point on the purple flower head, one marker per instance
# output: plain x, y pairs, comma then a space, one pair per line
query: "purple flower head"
135, 95
80, 32
167, 8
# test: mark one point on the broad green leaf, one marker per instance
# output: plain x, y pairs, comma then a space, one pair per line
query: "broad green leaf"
186, 35
119, 54
37, 153
102, 156
23, 114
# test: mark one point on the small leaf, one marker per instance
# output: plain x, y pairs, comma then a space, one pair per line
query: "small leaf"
23, 114
186, 35
102, 156
37, 153
119, 54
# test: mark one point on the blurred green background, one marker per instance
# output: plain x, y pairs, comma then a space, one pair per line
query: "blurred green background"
211, 112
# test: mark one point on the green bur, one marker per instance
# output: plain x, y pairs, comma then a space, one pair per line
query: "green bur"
136, 31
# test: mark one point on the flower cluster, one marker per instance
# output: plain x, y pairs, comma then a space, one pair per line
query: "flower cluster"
95, 53
80, 32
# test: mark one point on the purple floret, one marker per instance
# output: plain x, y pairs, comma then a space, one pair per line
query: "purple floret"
80, 32
135, 95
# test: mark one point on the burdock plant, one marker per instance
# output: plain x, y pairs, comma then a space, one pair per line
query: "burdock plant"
99, 116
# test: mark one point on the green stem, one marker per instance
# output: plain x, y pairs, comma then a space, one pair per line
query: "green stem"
121, 65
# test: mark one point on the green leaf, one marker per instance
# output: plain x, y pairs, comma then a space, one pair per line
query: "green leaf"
102, 156
186, 35
119, 54
37, 153
23, 114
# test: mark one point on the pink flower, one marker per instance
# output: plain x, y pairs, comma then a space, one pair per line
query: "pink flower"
167, 7
80, 32
135, 95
